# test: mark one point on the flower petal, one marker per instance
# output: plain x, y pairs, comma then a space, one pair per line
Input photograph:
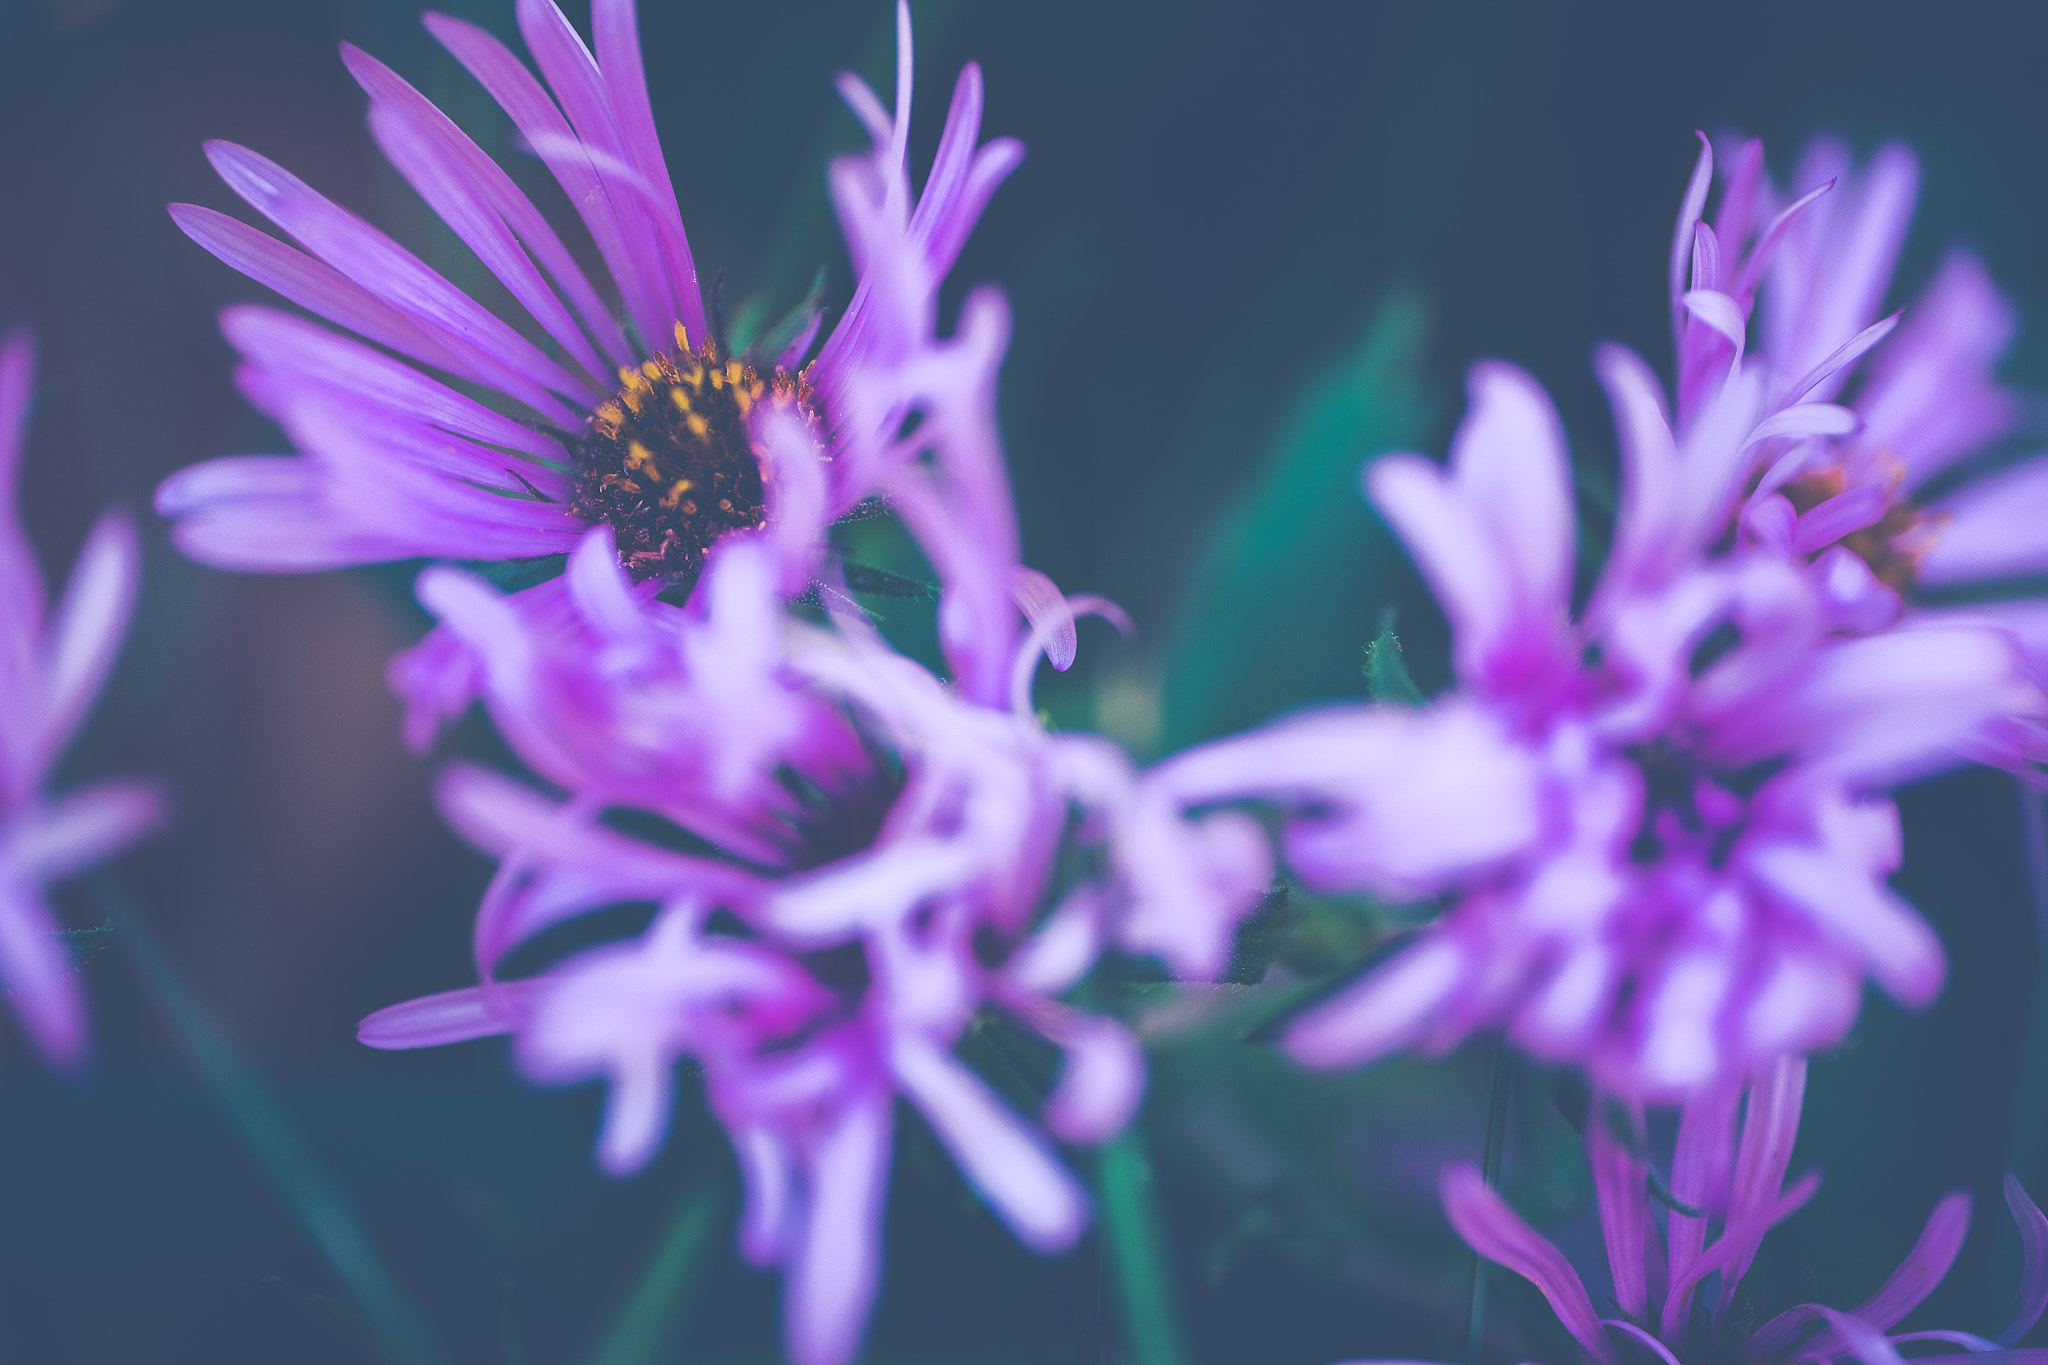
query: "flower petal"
2033, 1226
1388, 1010
1025, 1184
838, 1265
86, 630
450, 1017
1493, 1230
39, 982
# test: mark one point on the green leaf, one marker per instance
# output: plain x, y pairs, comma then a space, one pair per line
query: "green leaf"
516, 575
874, 582
776, 339
1386, 673
1302, 569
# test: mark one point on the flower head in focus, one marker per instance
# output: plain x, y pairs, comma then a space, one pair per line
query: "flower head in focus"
641, 419
1675, 1276
856, 864
52, 663
1658, 830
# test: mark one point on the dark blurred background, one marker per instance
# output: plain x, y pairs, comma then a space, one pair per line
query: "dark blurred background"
1252, 245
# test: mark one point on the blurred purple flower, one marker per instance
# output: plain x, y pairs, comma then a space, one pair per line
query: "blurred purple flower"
1900, 502
52, 663
1727, 1189
1659, 828
865, 869
643, 422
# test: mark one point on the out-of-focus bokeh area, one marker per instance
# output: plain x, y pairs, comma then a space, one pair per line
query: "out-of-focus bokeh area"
1252, 245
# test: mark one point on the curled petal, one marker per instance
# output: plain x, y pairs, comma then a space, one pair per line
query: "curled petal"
1103, 1078
2033, 1226
1925, 1266
1493, 1230
1046, 610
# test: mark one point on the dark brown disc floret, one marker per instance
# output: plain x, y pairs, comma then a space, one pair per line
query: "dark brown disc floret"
666, 459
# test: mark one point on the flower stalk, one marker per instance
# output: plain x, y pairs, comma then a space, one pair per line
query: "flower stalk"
1136, 1245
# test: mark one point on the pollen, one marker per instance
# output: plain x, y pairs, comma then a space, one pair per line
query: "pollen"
1894, 544
665, 459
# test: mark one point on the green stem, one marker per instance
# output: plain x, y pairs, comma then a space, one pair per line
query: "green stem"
330, 1218
1131, 1229
1499, 1072
648, 1322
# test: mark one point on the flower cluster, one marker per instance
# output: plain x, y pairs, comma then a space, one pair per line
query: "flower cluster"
1660, 823
852, 864
1675, 1278
1655, 813
647, 422
52, 663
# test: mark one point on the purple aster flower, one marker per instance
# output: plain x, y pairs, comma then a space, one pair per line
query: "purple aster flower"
870, 869
1674, 1277
1855, 505
640, 419
860, 862
52, 662
1658, 830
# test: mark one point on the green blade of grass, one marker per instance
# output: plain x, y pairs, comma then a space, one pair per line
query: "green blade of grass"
648, 1322
328, 1215
1137, 1251
1499, 1076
